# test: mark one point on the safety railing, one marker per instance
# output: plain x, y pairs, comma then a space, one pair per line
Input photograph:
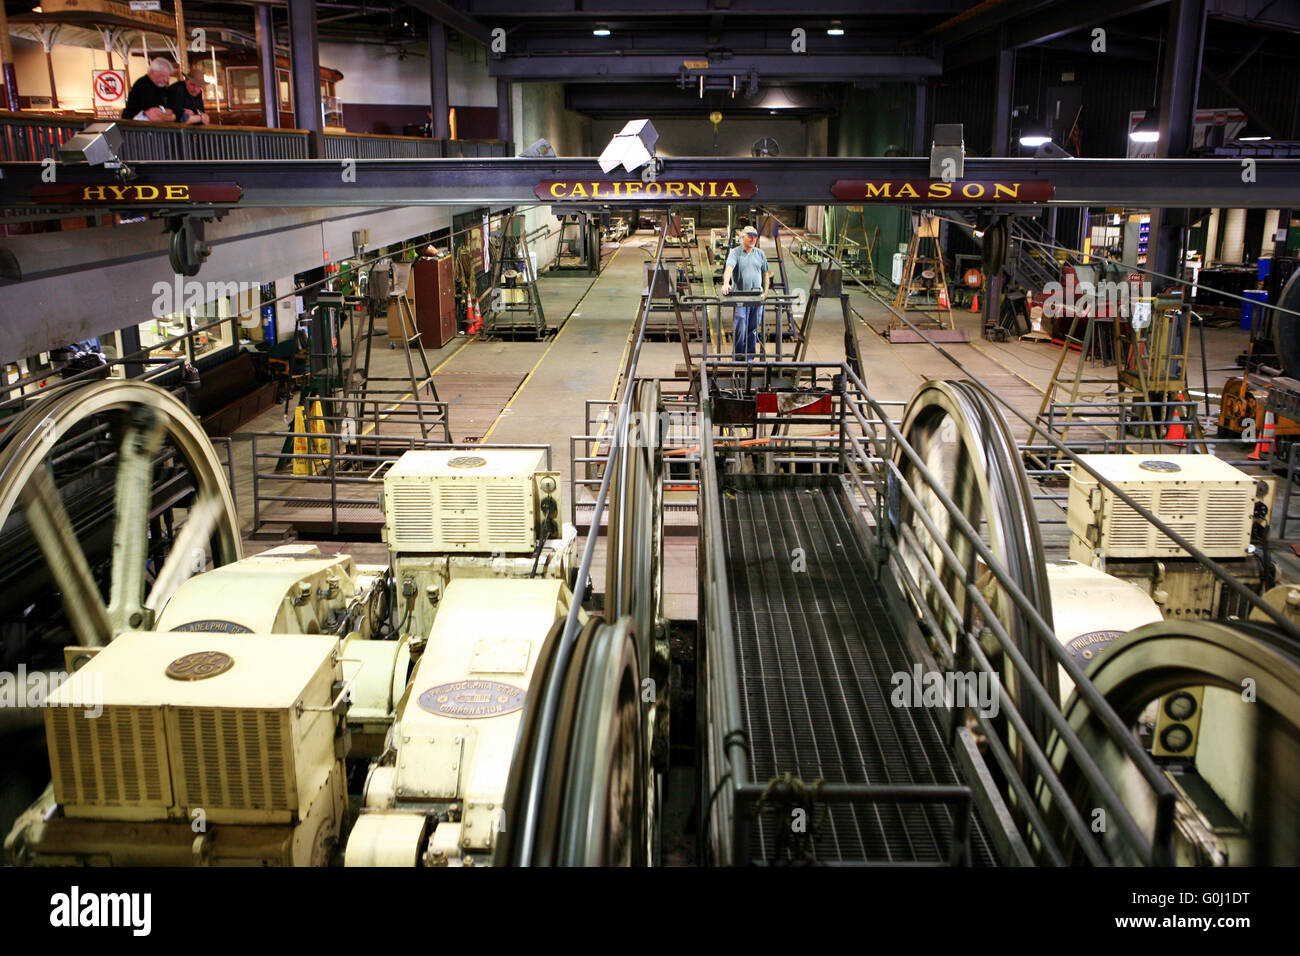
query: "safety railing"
33, 138
292, 479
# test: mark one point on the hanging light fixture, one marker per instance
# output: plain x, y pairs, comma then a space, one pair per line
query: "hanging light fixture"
600, 31
1148, 128
836, 29
1252, 132
1035, 134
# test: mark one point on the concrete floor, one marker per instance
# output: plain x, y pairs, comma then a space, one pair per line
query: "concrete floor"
520, 391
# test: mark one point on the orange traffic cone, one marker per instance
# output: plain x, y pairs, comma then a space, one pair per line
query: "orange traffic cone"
476, 318
1265, 439
975, 303
943, 297
1177, 433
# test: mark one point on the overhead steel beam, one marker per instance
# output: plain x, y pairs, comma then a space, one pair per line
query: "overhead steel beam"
264, 28
639, 9
636, 67
456, 19
1043, 27
787, 180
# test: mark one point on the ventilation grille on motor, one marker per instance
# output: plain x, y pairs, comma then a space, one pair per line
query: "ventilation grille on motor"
112, 760
411, 507
234, 760
1215, 520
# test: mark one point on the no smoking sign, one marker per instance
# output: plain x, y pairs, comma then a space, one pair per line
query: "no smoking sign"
110, 87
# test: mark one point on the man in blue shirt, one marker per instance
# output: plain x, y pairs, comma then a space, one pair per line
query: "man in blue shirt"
747, 265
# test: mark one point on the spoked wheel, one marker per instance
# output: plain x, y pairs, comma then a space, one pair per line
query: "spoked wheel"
1219, 706
44, 468
968, 449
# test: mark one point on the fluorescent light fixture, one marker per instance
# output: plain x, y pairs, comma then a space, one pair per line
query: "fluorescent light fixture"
1253, 139
1148, 128
835, 29
1034, 139
600, 32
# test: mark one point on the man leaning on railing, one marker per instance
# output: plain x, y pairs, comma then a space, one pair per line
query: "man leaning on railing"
185, 97
148, 97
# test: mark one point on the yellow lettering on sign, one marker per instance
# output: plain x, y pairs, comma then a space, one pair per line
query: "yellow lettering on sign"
578, 190
940, 190
695, 189
966, 190
675, 189
633, 189
176, 192
557, 190
730, 190
653, 189
713, 189
92, 192
140, 192
877, 189
908, 192
1010, 189
119, 192
616, 188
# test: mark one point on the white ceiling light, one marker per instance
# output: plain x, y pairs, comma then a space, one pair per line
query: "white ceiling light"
835, 29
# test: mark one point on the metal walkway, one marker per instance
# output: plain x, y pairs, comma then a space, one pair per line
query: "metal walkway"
816, 651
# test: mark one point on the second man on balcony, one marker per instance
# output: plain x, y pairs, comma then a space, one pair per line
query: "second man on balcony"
185, 97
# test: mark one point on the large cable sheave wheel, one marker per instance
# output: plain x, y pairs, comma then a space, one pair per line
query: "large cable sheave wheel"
1230, 694
580, 798
967, 447
138, 418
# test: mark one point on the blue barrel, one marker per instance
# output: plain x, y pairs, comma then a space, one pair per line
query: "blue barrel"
268, 324
1249, 308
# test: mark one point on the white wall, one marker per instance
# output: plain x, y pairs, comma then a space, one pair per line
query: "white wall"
369, 76
680, 136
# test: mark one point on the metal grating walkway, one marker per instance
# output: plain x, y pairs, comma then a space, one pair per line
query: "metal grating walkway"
816, 650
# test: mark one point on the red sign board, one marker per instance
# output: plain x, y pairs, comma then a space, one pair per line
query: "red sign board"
942, 192
605, 190
137, 194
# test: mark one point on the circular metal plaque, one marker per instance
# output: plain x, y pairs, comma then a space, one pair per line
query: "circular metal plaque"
200, 665
467, 461
1157, 465
1088, 646
472, 699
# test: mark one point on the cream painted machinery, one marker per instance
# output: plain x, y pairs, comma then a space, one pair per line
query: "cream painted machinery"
1208, 501
210, 748
436, 795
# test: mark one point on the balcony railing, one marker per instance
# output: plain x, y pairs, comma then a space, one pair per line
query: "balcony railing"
32, 138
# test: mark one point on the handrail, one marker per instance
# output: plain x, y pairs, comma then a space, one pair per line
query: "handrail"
28, 137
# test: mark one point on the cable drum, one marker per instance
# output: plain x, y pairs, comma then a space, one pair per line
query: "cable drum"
965, 443
1238, 795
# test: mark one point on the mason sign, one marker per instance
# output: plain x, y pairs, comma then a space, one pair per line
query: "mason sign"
942, 191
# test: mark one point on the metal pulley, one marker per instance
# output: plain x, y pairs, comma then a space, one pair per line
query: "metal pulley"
187, 249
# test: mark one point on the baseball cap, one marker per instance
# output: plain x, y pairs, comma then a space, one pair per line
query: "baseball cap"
750, 231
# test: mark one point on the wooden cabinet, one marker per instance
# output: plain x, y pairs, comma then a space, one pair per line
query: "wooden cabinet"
433, 292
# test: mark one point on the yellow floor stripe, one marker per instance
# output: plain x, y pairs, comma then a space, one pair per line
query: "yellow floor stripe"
497, 421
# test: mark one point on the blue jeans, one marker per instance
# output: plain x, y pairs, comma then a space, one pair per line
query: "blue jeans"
744, 337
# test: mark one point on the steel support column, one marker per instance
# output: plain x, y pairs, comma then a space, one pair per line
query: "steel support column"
1004, 81
1179, 87
920, 146
440, 127
264, 25
304, 64
503, 114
